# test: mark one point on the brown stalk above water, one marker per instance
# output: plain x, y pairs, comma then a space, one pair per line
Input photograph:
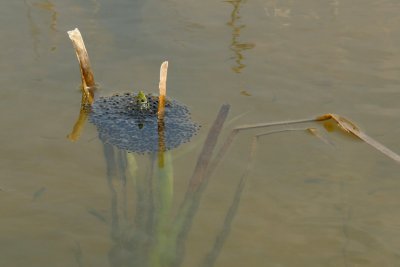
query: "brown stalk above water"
161, 111
88, 84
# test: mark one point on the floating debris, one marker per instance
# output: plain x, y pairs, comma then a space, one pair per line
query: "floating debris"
245, 93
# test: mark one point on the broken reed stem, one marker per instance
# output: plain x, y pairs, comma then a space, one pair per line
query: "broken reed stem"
343, 123
161, 111
278, 123
235, 131
88, 83
349, 127
162, 88
375, 144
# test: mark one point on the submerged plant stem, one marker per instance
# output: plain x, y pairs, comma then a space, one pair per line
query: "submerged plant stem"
203, 161
187, 211
210, 259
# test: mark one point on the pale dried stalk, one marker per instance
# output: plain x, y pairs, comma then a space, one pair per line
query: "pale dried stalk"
163, 78
162, 88
88, 83
161, 111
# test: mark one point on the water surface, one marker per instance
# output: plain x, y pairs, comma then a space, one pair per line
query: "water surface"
304, 203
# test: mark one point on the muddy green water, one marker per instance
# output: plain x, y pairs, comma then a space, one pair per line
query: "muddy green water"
305, 202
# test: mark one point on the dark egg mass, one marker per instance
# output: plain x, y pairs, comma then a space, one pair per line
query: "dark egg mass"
124, 124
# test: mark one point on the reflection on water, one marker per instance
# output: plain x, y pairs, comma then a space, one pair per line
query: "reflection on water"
335, 7
237, 46
50, 7
273, 10
35, 29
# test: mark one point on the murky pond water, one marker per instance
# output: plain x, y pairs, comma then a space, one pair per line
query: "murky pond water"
305, 201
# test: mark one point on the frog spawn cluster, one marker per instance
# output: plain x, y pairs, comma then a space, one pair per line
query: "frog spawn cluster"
121, 122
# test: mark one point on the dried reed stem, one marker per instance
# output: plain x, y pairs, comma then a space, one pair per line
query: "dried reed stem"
88, 83
162, 88
161, 111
